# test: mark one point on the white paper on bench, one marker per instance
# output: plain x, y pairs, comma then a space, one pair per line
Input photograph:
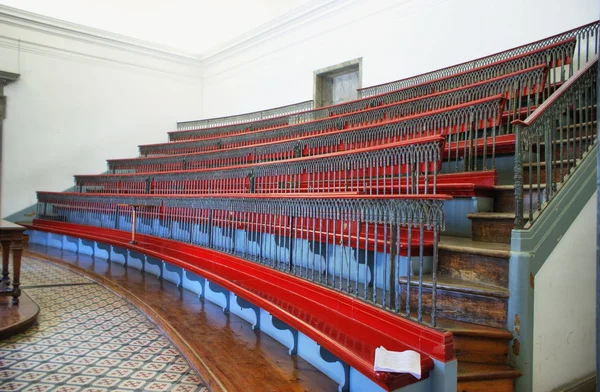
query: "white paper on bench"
398, 361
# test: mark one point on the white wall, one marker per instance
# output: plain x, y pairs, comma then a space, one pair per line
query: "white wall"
396, 39
81, 100
565, 308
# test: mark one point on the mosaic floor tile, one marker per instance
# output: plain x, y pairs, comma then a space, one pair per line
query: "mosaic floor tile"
39, 273
88, 339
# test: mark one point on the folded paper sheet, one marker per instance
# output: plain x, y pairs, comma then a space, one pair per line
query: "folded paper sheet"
398, 361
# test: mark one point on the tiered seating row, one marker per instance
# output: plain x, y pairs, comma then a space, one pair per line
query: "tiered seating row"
349, 328
483, 115
515, 86
548, 56
267, 118
348, 201
587, 47
358, 169
355, 244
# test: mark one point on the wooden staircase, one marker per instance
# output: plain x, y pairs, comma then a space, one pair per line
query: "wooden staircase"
472, 280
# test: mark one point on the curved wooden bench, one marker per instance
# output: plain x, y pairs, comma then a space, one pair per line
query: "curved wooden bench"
347, 327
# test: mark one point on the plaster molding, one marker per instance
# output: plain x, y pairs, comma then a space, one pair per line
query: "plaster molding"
283, 25
7, 77
73, 31
308, 13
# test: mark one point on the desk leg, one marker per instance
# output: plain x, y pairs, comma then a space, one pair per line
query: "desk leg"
17, 249
5, 283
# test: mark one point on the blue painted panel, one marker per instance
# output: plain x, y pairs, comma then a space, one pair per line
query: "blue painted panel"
55, 240
118, 255
193, 283
217, 295
70, 244
136, 260
154, 267
311, 352
180, 232
287, 337
245, 310
38, 237
86, 247
172, 273
360, 383
443, 377
199, 235
101, 250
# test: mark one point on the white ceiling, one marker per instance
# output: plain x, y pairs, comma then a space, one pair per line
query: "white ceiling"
192, 26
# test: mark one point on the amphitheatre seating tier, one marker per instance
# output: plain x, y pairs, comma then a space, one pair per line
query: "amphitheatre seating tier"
527, 82
453, 120
557, 54
360, 132
349, 328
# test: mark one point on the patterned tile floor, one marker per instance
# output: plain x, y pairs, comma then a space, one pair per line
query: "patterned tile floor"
88, 339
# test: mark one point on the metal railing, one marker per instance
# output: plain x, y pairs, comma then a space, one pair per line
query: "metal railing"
555, 56
336, 134
551, 143
587, 47
394, 168
403, 126
361, 246
246, 117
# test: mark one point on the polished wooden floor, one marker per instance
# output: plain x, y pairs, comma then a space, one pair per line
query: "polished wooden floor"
224, 349
17, 318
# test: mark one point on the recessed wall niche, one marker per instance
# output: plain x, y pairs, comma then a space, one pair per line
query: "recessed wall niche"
337, 83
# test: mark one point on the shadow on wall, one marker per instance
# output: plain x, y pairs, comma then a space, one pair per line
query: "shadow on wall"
27, 214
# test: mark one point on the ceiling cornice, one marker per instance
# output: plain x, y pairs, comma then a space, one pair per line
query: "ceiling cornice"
282, 25
7, 77
57, 27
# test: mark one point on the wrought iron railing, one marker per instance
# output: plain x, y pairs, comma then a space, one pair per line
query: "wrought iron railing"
338, 134
587, 47
551, 143
555, 55
246, 117
394, 168
358, 245
401, 129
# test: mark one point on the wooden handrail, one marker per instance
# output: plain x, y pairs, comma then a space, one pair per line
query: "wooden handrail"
329, 195
557, 94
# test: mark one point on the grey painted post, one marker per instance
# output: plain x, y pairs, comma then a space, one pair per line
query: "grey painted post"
598, 250
5, 78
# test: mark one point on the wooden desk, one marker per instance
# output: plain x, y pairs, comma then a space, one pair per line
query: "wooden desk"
11, 237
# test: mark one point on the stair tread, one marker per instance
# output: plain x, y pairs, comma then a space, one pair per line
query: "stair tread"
467, 245
454, 284
558, 161
468, 371
568, 140
463, 328
511, 187
491, 215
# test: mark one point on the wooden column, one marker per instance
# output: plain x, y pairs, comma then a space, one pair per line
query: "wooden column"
5, 78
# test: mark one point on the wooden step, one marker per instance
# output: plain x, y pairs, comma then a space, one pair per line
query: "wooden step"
492, 226
461, 300
478, 343
478, 262
571, 148
504, 197
477, 377
542, 169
